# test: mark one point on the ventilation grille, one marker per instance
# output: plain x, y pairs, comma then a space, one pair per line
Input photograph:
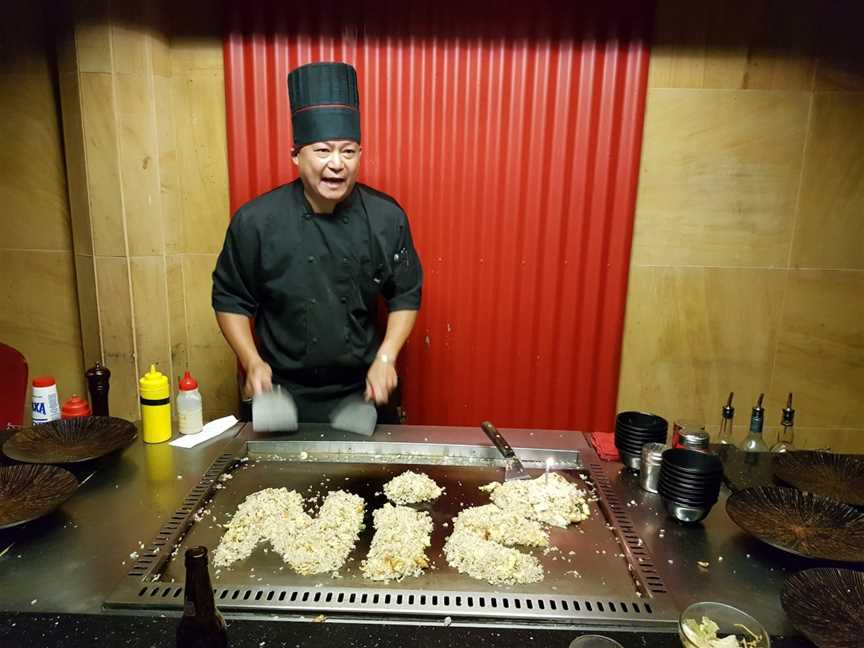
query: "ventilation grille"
647, 577
151, 558
475, 604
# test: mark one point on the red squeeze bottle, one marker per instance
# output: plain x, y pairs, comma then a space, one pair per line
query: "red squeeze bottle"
75, 407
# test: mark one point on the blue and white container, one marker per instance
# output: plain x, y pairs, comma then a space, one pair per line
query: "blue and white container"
45, 403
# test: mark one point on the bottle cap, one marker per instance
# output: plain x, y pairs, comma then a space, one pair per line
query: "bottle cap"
154, 384
758, 410
188, 383
75, 407
788, 413
728, 410
43, 381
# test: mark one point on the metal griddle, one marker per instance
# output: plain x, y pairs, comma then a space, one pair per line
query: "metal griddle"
614, 580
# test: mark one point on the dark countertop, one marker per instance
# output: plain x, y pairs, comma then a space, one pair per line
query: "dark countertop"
24, 630
59, 569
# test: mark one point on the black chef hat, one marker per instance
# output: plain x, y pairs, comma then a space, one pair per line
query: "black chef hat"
325, 104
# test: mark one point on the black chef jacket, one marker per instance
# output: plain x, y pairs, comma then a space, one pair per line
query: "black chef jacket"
312, 281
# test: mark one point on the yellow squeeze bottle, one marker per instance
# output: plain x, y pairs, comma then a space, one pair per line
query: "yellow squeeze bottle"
155, 406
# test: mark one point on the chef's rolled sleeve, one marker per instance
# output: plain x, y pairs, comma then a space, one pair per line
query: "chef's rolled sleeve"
404, 289
234, 280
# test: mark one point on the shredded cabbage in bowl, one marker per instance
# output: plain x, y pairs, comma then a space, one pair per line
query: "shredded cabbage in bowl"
704, 635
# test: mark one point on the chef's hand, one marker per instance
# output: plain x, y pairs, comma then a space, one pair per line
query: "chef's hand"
259, 377
381, 380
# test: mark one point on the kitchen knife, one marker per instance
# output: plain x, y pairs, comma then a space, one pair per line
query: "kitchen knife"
514, 468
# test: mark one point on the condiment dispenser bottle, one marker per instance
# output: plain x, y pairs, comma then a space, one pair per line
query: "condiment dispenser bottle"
75, 407
786, 442
726, 422
189, 406
155, 406
45, 403
754, 442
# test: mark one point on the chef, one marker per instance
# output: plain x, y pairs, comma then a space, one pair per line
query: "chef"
307, 261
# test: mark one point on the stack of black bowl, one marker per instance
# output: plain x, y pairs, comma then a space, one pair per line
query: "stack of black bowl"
635, 429
689, 483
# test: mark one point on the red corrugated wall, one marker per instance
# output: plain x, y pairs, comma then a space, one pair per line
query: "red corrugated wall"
510, 133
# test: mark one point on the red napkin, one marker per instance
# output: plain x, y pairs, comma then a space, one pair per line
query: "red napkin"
604, 444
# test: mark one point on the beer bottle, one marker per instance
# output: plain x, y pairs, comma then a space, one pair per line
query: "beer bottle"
201, 625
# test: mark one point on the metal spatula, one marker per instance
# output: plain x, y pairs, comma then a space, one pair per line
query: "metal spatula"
274, 411
354, 414
514, 468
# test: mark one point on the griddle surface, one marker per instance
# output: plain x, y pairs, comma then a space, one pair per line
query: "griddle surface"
596, 557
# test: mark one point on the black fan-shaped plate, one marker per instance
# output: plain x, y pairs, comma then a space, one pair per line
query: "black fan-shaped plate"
827, 606
70, 440
30, 491
839, 477
801, 523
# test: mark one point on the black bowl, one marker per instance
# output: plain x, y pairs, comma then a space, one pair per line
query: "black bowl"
643, 421
708, 491
672, 474
630, 451
692, 461
623, 427
706, 506
632, 444
691, 490
687, 513
668, 473
633, 447
638, 439
636, 442
640, 434
707, 496
624, 437
701, 503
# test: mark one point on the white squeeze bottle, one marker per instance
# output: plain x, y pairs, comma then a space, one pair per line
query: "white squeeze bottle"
189, 406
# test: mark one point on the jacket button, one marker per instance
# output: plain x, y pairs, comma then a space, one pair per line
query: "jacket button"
307, 216
343, 299
314, 301
345, 220
311, 259
314, 340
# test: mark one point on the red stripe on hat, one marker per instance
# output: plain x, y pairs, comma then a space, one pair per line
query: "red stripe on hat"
305, 108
